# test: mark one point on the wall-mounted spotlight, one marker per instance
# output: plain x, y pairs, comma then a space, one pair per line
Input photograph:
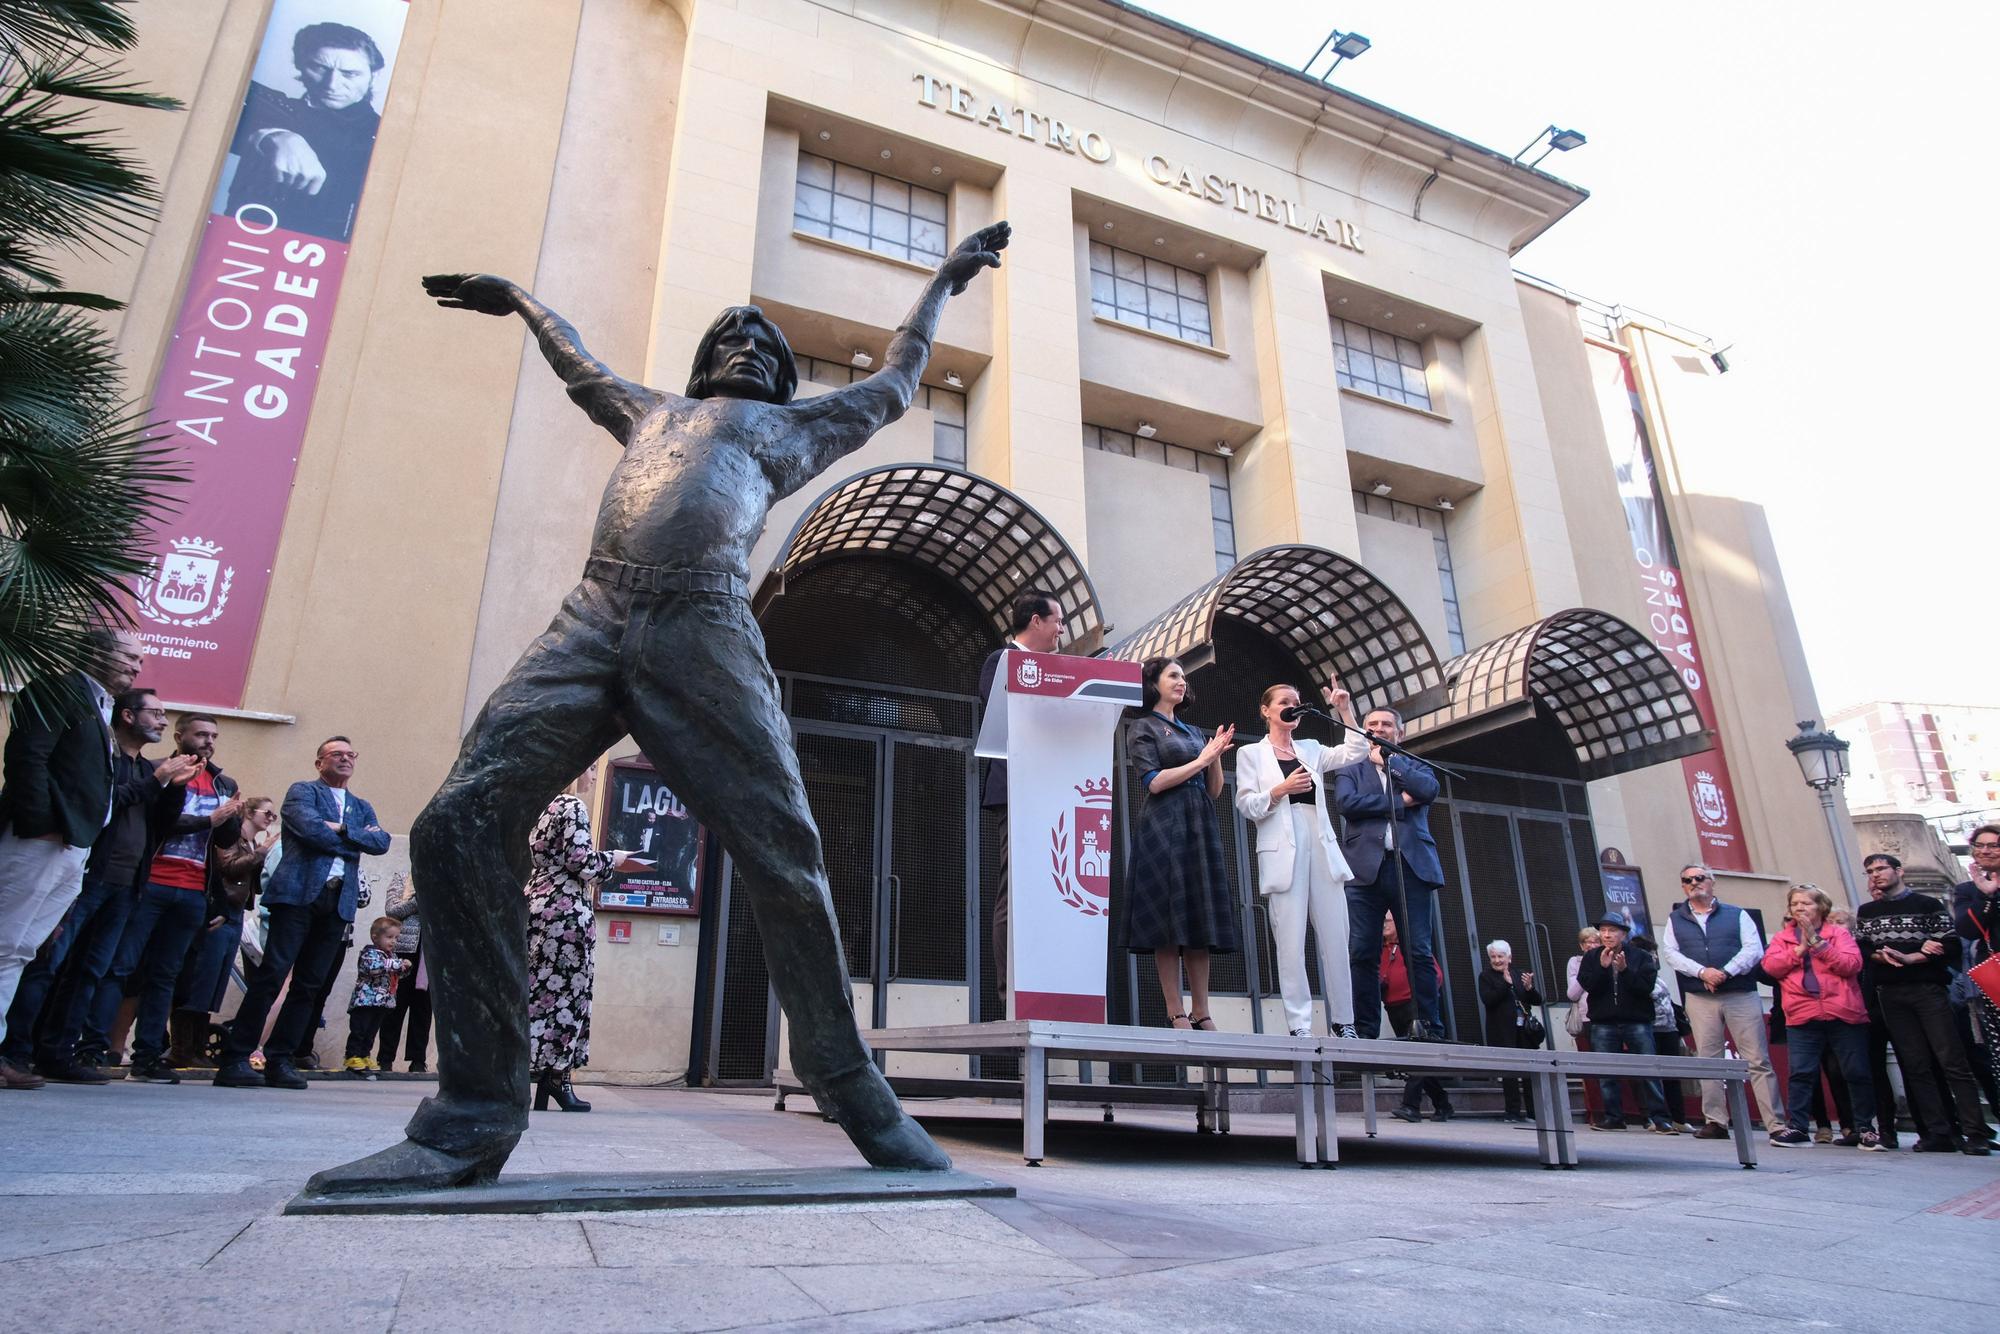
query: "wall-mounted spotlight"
1146, 431
1381, 488
1560, 141
1444, 503
1344, 45
1720, 359
951, 378
1222, 448
861, 359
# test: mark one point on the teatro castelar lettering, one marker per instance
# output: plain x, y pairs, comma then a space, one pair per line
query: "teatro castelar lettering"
1246, 199
956, 100
1008, 119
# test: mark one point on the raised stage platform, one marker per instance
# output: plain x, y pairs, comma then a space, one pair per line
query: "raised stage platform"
1313, 1062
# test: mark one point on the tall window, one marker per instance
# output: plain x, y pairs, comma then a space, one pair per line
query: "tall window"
1153, 295
947, 406
861, 208
1212, 466
1432, 522
1380, 364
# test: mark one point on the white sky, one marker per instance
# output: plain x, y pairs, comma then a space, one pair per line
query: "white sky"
1807, 181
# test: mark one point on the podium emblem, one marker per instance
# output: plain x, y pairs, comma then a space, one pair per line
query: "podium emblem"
1029, 673
1080, 850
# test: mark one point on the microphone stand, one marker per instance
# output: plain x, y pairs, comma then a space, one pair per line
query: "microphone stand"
1399, 903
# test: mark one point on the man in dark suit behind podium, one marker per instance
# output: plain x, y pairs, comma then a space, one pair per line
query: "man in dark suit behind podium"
312, 897
1371, 843
1037, 627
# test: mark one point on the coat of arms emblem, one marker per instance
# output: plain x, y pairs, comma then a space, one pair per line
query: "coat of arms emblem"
1082, 862
1709, 803
186, 581
1029, 673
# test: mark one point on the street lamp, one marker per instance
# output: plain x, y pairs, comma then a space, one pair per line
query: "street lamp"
1822, 758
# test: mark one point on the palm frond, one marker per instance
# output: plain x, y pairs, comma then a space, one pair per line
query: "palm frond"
33, 29
66, 181
88, 80
58, 374
73, 517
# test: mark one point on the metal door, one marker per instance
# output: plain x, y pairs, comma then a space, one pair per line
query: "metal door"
894, 814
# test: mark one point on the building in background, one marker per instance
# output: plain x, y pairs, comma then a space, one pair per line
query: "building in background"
1258, 386
1939, 761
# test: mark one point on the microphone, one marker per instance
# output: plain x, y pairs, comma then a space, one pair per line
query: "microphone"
1293, 713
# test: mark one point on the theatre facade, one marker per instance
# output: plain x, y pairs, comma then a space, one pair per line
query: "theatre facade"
1259, 387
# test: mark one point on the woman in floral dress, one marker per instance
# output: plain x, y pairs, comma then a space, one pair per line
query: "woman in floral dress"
567, 870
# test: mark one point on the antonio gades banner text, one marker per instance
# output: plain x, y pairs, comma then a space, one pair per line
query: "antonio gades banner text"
236, 387
1669, 617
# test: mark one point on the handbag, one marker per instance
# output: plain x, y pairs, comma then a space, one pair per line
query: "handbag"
1682, 1024
1573, 1021
1532, 1032
1986, 973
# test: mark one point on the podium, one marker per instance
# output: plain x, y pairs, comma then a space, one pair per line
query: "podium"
1053, 718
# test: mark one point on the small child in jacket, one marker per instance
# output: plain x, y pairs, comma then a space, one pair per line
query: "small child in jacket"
375, 976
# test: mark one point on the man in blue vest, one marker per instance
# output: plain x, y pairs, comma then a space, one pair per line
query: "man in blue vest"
1714, 946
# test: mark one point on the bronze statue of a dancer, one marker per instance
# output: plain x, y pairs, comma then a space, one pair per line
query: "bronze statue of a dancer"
657, 641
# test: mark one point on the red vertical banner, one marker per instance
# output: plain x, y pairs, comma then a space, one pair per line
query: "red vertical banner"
236, 385
1669, 619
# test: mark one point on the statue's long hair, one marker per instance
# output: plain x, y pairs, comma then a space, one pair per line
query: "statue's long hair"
728, 322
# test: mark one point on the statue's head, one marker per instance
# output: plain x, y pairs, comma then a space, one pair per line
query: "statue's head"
744, 355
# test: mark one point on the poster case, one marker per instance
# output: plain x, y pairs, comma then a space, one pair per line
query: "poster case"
642, 816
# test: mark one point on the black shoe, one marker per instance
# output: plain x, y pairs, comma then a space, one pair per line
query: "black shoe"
1428, 1033
306, 1060
1608, 1123
1977, 1148
555, 1084
1933, 1144
282, 1075
71, 1072
1444, 1113
238, 1074
153, 1071
1403, 1113
416, 1068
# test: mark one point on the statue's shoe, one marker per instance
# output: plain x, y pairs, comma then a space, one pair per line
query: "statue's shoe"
409, 1167
873, 1117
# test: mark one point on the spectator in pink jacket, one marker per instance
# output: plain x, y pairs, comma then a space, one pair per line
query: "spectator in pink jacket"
1817, 967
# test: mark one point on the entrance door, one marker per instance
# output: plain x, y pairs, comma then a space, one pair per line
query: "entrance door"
894, 813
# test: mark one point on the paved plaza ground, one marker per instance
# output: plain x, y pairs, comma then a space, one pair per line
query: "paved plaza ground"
144, 1207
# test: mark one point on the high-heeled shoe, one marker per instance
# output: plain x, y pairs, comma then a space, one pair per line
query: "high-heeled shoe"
555, 1084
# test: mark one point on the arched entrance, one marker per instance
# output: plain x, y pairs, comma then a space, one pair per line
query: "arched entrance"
878, 610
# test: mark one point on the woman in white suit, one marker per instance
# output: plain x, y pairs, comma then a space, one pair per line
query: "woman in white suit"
1281, 788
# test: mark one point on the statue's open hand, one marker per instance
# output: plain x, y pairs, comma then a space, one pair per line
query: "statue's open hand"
471, 291
981, 250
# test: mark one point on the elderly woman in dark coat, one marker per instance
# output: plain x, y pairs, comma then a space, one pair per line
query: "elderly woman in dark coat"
1179, 908
1508, 997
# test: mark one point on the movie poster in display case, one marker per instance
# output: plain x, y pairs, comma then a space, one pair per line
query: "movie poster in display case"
643, 817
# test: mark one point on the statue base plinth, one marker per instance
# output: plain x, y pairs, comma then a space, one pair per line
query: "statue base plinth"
593, 1192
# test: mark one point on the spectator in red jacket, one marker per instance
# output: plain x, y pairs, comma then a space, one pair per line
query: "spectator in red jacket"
1400, 1001
1817, 967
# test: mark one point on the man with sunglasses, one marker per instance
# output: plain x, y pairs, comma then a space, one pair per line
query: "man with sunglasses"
1715, 947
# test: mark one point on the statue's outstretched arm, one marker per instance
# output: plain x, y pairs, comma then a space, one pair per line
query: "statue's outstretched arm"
615, 404
843, 421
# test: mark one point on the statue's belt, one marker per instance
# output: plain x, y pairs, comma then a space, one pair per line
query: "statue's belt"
665, 578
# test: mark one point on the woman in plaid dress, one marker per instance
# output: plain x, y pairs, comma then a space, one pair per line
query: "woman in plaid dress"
1180, 907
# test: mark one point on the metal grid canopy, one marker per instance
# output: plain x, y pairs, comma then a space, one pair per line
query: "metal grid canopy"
1332, 615
1618, 698
974, 532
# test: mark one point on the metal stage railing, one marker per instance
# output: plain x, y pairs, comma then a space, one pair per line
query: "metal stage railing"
1314, 1063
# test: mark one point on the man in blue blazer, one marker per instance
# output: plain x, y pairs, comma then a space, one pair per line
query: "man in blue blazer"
312, 897
1370, 843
